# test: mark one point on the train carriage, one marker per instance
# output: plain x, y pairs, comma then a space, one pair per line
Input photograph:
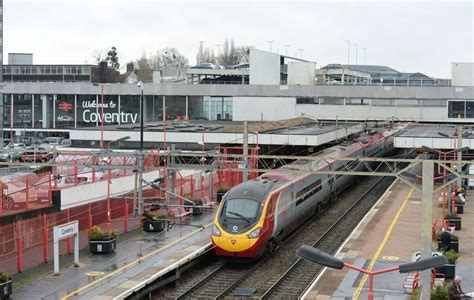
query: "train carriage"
256, 215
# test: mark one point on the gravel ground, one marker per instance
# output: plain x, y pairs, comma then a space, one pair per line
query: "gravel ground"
271, 268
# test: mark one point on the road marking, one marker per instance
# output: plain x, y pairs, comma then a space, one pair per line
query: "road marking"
389, 257
76, 292
381, 246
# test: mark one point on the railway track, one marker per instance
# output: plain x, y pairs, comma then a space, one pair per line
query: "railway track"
295, 281
265, 277
210, 287
282, 275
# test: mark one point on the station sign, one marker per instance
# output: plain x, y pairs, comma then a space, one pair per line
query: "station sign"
66, 230
92, 112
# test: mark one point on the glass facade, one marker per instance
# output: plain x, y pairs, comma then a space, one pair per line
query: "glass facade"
87, 110
22, 110
217, 108
64, 111
129, 109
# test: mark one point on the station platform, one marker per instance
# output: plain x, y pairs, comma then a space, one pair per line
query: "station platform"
387, 237
139, 256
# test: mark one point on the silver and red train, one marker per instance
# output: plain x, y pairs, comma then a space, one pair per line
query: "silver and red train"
256, 215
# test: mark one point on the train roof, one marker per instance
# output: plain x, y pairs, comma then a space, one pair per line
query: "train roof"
257, 189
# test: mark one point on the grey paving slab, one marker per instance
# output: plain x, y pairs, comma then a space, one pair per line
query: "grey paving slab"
48, 286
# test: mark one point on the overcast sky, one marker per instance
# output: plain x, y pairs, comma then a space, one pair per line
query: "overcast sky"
423, 36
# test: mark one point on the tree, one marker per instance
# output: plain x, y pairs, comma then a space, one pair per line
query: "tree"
168, 58
143, 69
112, 58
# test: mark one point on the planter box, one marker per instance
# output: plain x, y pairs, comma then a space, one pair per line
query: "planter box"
197, 210
449, 270
219, 196
102, 247
454, 245
456, 221
153, 226
459, 208
6, 289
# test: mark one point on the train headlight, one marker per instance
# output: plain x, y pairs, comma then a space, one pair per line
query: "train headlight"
216, 231
255, 233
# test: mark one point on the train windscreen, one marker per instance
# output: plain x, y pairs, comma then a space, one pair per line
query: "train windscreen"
239, 214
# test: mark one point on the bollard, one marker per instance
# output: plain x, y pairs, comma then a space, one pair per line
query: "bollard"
27, 193
19, 244
45, 239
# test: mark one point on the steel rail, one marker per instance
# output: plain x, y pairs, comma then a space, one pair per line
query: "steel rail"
293, 267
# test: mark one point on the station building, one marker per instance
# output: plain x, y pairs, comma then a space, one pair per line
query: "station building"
270, 87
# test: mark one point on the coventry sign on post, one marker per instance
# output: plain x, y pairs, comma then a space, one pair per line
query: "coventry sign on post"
61, 232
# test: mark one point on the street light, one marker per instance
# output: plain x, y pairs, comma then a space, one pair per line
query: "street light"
357, 48
140, 155
348, 52
301, 52
270, 43
317, 256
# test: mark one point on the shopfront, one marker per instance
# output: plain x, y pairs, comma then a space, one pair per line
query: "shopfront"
66, 111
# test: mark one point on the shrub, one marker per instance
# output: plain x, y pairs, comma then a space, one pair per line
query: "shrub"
414, 295
451, 255
222, 190
439, 293
4, 277
98, 234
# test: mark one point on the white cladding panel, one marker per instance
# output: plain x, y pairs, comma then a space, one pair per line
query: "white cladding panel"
301, 73
268, 108
462, 74
367, 112
264, 67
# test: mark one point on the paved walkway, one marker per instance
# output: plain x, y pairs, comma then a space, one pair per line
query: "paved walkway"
105, 275
388, 237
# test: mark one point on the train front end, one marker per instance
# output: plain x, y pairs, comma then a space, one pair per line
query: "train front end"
239, 228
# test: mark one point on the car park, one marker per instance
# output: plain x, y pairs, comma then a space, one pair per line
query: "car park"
12, 153
36, 154
52, 140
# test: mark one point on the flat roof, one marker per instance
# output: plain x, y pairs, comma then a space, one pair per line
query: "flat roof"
434, 136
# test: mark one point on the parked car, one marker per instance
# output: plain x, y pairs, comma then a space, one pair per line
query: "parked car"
53, 140
36, 154
204, 66
12, 153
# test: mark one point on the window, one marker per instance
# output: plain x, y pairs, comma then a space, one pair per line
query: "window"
382, 102
408, 102
331, 101
434, 102
308, 191
456, 109
470, 109
357, 101
307, 100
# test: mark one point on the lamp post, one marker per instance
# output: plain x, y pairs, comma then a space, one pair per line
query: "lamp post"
270, 43
357, 48
301, 52
140, 155
348, 52
109, 177
317, 256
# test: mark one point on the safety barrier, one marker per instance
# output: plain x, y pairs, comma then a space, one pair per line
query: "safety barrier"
24, 191
28, 243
